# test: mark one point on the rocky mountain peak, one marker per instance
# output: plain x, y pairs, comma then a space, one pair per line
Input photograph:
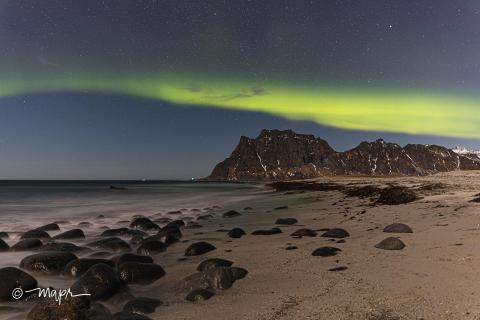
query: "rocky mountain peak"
285, 155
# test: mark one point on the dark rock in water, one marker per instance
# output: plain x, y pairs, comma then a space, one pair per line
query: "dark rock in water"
141, 273
199, 248
101, 281
47, 262
390, 243
174, 224
3, 235
35, 234
199, 295
11, 278
26, 244
291, 248
98, 311
325, 252
136, 241
281, 208
114, 232
128, 316
71, 308
100, 254
84, 224
304, 233
60, 246
4, 246
100, 216
231, 214
152, 247
336, 233
144, 224
247, 208
167, 236
49, 227
205, 217
70, 234
142, 305
78, 267
397, 195
131, 257
215, 262
397, 228
238, 273
267, 232
336, 269
286, 221
113, 244
236, 233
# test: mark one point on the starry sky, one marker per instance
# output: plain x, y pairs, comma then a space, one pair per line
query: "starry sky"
162, 89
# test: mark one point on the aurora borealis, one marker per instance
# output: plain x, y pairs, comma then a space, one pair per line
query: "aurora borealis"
348, 70
381, 110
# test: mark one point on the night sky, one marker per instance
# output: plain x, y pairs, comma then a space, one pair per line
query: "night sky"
163, 89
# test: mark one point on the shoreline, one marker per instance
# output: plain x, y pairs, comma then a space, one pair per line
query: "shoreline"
432, 277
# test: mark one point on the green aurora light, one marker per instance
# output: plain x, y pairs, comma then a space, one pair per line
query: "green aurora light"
381, 110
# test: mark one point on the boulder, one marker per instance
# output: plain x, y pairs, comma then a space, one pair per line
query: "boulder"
35, 234
3, 245
199, 295
336, 233
140, 273
101, 281
199, 248
70, 234
49, 227
267, 232
26, 244
69, 309
214, 262
52, 262
325, 252
150, 248
231, 214
113, 244
286, 221
131, 257
397, 228
11, 278
390, 243
304, 232
144, 224
236, 233
142, 305
78, 267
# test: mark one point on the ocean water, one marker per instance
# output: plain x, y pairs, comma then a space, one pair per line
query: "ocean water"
28, 204
25, 205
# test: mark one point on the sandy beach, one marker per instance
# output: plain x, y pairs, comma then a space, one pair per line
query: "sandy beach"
433, 277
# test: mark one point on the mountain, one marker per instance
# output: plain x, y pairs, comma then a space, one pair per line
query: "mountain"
286, 155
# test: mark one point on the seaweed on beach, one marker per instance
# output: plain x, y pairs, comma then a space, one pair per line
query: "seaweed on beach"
396, 195
363, 192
